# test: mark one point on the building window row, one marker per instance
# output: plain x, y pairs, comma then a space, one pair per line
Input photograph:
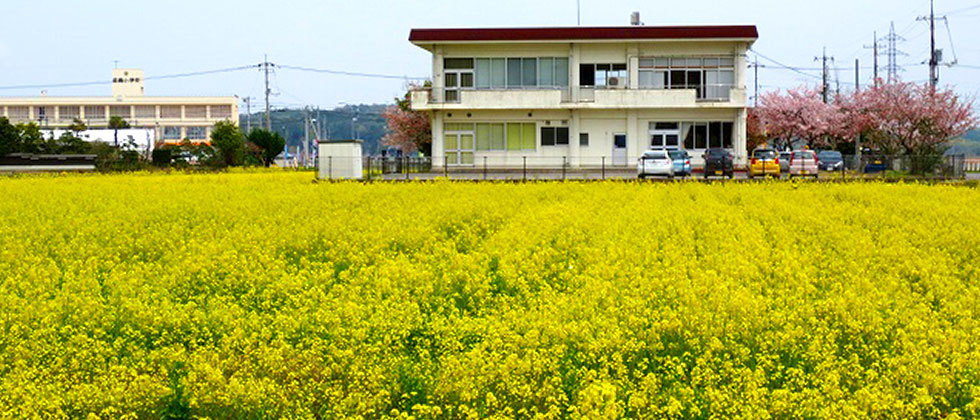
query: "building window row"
711, 77
175, 133
98, 112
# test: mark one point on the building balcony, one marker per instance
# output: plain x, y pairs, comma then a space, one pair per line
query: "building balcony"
576, 97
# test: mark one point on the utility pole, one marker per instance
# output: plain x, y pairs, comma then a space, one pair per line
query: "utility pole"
874, 47
857, 75
857, 88
755, 99
268, 115
936, 55
933, 61
306, 135
826, 75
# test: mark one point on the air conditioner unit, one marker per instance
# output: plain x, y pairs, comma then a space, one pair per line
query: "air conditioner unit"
617, 82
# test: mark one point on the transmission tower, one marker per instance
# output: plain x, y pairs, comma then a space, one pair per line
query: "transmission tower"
893, 52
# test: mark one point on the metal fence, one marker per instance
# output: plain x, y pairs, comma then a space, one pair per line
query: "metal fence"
508, 166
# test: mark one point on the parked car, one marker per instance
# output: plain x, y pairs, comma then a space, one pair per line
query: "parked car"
874, 163
682, 161
655, 163
784, 158
803, 163
719, 162
764, 162
830, 160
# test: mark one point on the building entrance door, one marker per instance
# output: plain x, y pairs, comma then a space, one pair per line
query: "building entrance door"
619, 150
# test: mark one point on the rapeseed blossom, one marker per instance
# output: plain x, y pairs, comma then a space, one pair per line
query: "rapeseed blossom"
253, 295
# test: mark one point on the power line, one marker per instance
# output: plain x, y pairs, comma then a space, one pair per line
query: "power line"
790, 68
348, 73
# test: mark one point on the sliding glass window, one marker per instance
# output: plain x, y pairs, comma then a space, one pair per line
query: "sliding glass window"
705, 135
521, 72
710, 77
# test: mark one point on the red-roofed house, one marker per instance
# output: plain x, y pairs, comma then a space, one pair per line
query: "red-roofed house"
583, 96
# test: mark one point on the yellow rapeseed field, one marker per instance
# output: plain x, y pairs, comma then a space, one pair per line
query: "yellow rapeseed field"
266, 295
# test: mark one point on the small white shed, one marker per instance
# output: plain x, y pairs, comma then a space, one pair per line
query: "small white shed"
340, 159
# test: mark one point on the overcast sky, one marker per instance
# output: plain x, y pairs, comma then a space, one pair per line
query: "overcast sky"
66, 41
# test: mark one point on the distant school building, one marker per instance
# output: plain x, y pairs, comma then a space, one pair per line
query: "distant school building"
170, 119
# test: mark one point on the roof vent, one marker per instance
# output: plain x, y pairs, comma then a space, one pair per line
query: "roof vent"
635, 19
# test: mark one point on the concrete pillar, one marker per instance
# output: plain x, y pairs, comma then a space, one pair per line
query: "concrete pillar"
633, 66
438, 145
633, 137
574, 148
438, 83
574, 60
739, 140
741, 66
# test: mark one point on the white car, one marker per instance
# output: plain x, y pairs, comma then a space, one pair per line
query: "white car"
655, 163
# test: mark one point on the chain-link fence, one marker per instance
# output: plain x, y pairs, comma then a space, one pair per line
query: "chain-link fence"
463, 166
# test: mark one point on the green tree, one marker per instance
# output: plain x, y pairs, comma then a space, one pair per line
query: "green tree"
77, 126
31, 139
9, 137
229, 142
117, 123
270, 144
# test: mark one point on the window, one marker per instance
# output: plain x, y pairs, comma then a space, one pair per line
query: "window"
171, 133
458, 75
95, 112
520, 136
169, 111
145, 111
554, 136
515, 73
458, 64
197, 133
490, 136
122, 111
710, 77
68, 113
603, 75
220, 111
195, 111
705, 135
583, 139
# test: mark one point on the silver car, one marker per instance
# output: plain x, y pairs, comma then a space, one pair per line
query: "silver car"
655, 163
784, 158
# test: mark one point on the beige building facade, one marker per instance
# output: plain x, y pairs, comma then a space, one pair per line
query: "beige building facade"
547, 97
172, 118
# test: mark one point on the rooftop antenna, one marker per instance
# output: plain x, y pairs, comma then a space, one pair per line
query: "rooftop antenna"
115, 64
578, 11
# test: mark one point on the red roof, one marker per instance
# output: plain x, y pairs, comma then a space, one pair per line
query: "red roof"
586, 33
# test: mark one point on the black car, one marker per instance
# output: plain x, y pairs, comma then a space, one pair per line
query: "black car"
719, 162
874, 163
830, 160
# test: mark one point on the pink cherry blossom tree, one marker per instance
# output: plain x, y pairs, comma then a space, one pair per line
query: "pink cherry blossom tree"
913, 119
797, 114
408, 130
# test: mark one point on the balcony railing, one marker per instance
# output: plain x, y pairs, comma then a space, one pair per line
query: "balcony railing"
568, 94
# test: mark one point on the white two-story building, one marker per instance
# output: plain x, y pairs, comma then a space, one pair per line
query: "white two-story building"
583, 96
